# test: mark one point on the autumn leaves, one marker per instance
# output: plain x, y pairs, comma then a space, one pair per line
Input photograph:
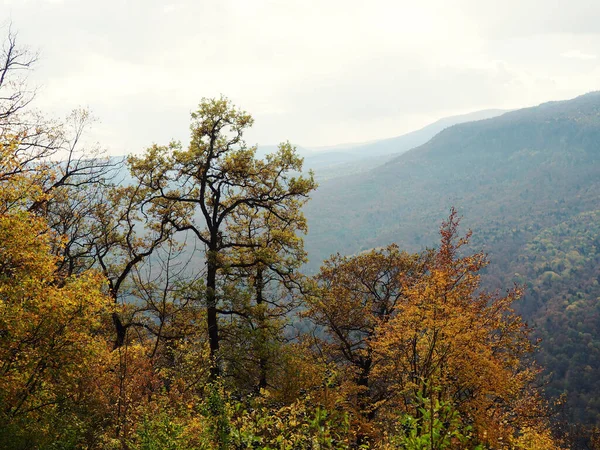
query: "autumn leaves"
155, 314
414, 336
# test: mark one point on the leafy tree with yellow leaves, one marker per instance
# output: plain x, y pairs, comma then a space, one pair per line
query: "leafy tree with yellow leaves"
263, 287
214, 178
354, 298
48, 332
450, 342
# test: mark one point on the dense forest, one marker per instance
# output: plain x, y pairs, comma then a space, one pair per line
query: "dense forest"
528, 184
168, 309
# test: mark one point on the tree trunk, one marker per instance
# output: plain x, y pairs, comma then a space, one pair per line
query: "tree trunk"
120, 329
364, 396
211, 314
262, 359
364, 399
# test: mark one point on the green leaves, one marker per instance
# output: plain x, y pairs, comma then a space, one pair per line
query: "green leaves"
244, 210
438, 426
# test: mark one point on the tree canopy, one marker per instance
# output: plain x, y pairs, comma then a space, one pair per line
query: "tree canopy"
157, 312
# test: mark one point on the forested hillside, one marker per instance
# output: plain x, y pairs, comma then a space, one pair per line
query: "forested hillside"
110, 338
528, 184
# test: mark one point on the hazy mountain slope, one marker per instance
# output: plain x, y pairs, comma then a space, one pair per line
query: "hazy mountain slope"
408, 141
348, 159
529, 159
513, 178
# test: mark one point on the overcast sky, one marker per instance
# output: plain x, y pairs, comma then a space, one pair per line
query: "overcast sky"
316, 73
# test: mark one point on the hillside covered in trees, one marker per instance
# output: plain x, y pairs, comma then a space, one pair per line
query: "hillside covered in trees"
111, 338
528, 184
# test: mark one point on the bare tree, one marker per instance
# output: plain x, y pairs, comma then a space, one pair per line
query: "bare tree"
15, 63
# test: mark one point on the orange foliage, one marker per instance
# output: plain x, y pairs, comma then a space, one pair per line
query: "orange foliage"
455, 343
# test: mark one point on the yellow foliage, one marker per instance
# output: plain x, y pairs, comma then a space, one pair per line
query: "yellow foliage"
534, 439
48, 324
452, 342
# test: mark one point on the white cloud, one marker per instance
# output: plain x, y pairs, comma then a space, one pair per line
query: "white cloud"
314, 72
578, 54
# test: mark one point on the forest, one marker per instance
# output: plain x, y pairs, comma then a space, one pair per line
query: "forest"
527, 183
167, 309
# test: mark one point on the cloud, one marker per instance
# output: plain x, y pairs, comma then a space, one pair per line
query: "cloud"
577, 54
317, 73
521, 18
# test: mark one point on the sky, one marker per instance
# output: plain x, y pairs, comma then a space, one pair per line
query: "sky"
314, 72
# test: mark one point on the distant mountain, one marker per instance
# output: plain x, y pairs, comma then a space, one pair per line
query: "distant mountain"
528, 184
346, 159
408, 141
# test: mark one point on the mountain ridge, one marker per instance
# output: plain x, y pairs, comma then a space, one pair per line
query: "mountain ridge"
516, 179
348, 159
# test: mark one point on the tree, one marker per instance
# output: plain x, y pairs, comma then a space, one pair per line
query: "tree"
15, 62
48, 328
125, 230
263, 287
416, 341
212, 179
355, 297
451, 342
48, 151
